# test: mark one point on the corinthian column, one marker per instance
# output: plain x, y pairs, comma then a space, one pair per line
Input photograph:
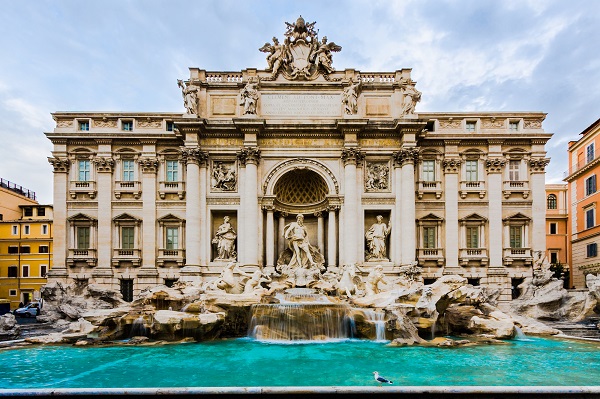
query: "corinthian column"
451, 170
495, 166
396, 233
352, 246
406, 157
149, 167
104, 169
59, 224
249, 158
537, 168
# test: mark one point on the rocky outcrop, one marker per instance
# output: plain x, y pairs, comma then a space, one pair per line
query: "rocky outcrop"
9, 329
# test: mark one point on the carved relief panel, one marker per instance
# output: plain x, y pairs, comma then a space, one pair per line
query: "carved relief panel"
377, 177
224, 176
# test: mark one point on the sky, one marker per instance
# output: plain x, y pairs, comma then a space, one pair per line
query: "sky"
126, 55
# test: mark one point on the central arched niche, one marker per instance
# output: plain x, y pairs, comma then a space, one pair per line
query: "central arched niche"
300, 188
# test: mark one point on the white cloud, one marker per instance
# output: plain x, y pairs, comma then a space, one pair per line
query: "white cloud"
33, 115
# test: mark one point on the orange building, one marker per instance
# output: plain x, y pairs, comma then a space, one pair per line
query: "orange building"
557, 223
583, 195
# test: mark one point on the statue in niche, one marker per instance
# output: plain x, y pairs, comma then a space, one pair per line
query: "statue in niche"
376, 237
350, 98
190, 97
377, 177
375, 277
299, 244
411, 97
225, 241
249, 97
223, 177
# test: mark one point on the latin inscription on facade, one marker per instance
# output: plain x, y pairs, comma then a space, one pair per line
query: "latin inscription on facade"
301, 105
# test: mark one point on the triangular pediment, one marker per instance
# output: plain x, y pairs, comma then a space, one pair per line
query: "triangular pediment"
169, 218
517, 217
80, 217
474, 217
125, 217
432, 218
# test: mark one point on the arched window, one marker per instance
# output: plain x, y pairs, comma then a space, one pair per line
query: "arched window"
551, 201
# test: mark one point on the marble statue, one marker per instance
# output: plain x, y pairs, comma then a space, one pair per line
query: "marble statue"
253, 284
230, 280
223, 177
375, 277
350, 98
322, 54
377, 177
277, 55
225, 240
249, 97
376, 237
297, 235
347, 285
411, 97
190, 97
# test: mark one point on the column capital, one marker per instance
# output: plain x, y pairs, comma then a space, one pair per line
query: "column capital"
60, 165
104, 164
538, 165
495, 165
352, 156
148, 164
451, 165
406, 156
249, 155
194, 155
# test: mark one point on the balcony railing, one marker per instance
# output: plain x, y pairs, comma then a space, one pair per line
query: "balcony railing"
521, 254
171, 255
434, 187
473, 254
77, 255
129, 187
516, 186
430, 254
132, 255
467, 187
82, 187
17, 189
580, 166
171, 187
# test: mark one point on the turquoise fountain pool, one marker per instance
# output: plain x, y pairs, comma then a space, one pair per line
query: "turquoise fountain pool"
247, 363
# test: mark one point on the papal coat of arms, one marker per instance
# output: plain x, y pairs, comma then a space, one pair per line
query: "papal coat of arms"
301, 55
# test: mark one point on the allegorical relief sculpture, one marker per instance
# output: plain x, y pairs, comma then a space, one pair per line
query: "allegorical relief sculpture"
350, 98
190, 97
301, 55
376, 237
377, 177
411, 97
225, 241
249, 96
223, 176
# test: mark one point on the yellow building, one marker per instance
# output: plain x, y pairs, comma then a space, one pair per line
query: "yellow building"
25, 254
11, 197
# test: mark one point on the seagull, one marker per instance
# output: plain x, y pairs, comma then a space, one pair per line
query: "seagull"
381, 380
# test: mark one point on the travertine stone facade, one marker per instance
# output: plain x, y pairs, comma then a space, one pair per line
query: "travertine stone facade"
463, 192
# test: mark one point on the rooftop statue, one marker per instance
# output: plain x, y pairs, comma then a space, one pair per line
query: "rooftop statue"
302, 55
190, 97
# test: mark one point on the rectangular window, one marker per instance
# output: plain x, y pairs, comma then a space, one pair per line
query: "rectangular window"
43, 270
84, 170
428, 169
513, 126
470, 126
26, 229
590, 185
12, 271
516, 237
14, 230
172, 171
44, 229
127, 238
83, 237
84, 126
41, 211
590, 218
127, 126
513, 170
25, 250
554, 257
172, 238
127, 290
28, 211
43, 249
429, 240
591, 250
12, 292
589, 153
128, 166
170, 126
25, 270
471, 169
553, 228
13, 250
472, 237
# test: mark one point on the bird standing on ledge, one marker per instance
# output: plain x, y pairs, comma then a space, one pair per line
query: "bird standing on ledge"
380, 379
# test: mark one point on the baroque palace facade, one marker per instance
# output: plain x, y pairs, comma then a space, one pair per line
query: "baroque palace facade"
147, 198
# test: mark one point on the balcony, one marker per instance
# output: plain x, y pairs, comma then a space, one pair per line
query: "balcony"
516, 186
82, 255
517, 254
171, 256
82, 187
128, 187
171, 187
467, 255
430, 255
429, 187
468, 187
133, 256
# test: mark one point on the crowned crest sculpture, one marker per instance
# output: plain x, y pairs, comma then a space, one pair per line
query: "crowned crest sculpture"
301, 56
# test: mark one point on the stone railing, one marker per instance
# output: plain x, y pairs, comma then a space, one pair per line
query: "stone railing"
516, 186
130, 187
132, 255
477, 187
77, 255
171, 255
431, 254
82, 187
171, 187
434, 187
473, 254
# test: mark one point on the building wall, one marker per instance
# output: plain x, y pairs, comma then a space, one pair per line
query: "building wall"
11, 199
557, 237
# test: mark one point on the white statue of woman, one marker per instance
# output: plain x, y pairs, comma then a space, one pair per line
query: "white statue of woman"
225, 240
376, 237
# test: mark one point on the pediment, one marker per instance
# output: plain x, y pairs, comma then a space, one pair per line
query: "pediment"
125, 217
474, 217
517, 217
431, 218
169, 218
81, 217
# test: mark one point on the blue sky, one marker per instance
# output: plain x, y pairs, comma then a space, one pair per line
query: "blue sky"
119, 55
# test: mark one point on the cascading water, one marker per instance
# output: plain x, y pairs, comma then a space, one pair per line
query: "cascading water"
138, 328
377, 319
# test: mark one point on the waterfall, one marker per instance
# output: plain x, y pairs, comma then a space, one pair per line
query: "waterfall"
138, 328
300, 322
519, 334
376, 317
